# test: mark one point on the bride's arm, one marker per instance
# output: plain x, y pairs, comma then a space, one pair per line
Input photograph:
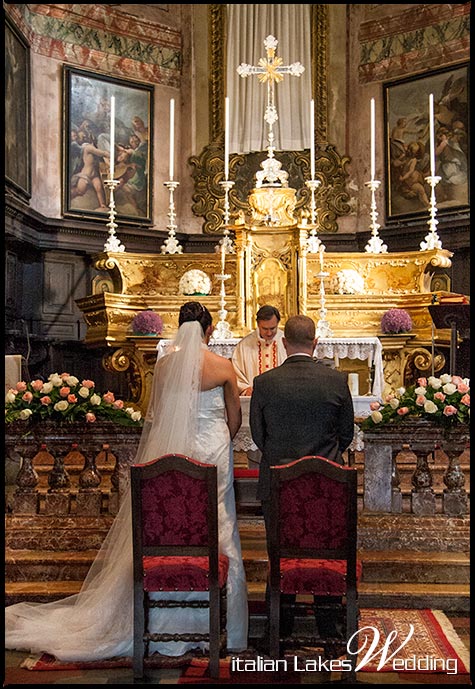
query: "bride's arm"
232, 401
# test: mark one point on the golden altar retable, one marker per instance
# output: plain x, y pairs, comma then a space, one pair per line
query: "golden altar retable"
271, 265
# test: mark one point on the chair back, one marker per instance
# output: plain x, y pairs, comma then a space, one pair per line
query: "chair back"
313, 509
174, 507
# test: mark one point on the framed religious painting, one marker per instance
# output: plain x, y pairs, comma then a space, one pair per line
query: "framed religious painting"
408, 134
17, 111
107, 136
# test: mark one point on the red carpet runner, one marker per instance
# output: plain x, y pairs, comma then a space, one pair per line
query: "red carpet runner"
433, 647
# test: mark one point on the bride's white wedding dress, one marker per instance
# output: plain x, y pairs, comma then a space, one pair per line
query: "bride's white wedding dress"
98, 623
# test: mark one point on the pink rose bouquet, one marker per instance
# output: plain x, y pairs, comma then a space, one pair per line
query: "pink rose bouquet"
445, 401
64, 397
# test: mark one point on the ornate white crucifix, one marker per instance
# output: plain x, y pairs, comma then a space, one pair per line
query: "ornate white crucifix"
270, 70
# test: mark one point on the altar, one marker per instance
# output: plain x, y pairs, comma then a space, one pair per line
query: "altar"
368, 349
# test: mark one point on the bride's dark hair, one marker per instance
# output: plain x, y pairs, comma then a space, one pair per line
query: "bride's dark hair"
194, 311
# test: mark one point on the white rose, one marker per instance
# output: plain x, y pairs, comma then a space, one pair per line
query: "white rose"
394, 403
434, 382
376, 416
25, 413
445, 378
400, 391
95, 400
10, 397
430, 407
467, 381
420, 391
47, 387
72, 381
62, 405
129, 410
449, 388
136, 416
56, 380
83, 392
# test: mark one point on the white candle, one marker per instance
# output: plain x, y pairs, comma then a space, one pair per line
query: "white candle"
112, 138
431, 133
312, 139
172, 137
223, 254
373, 141
337, 360
321, 258
353, 384
226, 138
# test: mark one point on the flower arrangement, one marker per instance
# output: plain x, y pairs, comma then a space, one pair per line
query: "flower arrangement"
64, 398
444, 401
194, 282
147, 322
348, 281
396, 321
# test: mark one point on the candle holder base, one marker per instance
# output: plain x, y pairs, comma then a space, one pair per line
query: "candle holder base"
323, 329
222, 331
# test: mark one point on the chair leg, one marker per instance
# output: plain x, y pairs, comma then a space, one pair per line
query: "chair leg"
139, 629
274, 624
214, 631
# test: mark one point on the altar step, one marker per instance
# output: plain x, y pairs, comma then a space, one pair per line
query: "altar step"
410, 576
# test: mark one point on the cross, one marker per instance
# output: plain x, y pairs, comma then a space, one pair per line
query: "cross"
270, 70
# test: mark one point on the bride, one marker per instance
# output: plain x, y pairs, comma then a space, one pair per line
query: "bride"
194, 410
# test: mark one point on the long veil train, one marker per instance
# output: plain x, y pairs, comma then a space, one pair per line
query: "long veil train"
97, 622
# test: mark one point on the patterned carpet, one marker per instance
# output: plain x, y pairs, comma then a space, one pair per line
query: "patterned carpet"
434, 652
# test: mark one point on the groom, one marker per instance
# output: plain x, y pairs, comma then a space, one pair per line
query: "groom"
300, 408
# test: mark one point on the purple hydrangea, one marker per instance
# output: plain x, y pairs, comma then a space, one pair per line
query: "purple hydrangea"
396, 321
146, 322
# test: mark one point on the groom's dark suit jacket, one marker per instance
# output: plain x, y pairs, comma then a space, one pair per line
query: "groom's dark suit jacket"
302, 407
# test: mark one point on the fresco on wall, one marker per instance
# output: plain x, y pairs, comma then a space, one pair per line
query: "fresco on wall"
87, 148
408, 142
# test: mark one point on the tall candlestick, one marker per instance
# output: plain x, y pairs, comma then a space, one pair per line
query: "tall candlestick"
226, 138
172, 137
312, 139
223, 254
431, 133
373, 141
112, 138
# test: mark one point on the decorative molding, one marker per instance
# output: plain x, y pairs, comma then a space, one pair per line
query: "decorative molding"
415, 40
101, 38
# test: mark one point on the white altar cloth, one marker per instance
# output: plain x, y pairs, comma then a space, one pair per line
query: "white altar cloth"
367, 349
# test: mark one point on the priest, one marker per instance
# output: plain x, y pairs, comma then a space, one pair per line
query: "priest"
259, 351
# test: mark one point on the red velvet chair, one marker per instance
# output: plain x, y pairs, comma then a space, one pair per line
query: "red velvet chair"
175, 548
313, 551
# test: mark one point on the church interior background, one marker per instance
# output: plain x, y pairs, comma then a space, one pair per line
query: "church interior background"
76, 275
321, 226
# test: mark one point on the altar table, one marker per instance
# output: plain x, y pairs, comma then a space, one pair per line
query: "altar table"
367, 349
